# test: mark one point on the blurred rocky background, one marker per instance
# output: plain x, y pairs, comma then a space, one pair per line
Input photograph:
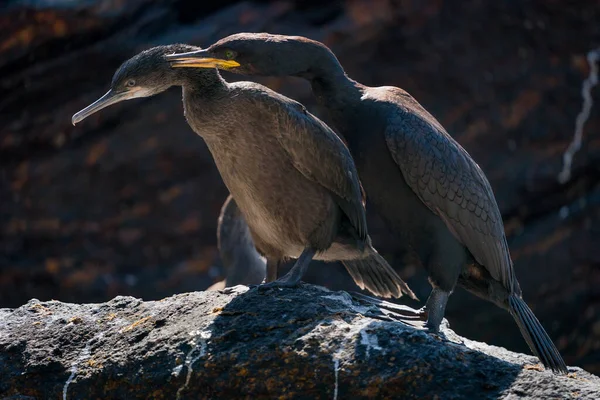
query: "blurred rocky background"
127, 202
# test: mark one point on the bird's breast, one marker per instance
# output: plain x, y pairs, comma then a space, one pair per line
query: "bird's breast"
280, 205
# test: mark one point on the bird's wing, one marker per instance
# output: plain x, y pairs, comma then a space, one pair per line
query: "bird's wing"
452, 185
321, 156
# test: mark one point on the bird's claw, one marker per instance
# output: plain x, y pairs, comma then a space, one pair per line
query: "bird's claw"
280, 283
256, 285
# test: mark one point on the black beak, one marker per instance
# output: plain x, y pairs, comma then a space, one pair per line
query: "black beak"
108, 99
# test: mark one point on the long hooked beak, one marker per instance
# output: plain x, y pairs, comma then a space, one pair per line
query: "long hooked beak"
108, 99
199, 59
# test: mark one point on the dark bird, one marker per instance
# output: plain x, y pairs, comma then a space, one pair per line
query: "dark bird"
292, 178
242, 263
426, 187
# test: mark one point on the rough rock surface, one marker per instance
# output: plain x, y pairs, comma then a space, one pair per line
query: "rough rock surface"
304, 343
127, 202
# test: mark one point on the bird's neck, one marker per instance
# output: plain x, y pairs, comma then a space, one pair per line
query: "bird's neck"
336, 93
336, 89
201, 82
204, 91
205, 100
330, 83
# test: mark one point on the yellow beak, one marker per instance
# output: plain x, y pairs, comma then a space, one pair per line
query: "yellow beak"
190, 62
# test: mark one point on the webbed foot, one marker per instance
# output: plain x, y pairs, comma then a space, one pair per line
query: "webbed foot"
293, 278
279, 283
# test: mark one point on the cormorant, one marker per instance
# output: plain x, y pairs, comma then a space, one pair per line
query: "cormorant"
423, 183
292, 178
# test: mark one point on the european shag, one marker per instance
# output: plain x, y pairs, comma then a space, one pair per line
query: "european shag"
292, 178
427, 188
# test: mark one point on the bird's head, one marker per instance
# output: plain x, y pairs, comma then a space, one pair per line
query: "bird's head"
144, 75
255, 54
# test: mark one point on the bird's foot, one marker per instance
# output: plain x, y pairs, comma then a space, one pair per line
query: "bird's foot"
429, 324
432, 328
434, 331
434, 310
254, 285
279, 283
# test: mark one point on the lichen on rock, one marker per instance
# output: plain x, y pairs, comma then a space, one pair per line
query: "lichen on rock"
309, 343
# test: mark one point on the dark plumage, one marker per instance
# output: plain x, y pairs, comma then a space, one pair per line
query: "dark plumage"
424, 184
292, 178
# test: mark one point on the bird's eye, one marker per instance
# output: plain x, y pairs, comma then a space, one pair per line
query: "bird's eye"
130, 83
229, 54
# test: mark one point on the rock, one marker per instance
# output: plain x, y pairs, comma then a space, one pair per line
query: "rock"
127, 202
309, 342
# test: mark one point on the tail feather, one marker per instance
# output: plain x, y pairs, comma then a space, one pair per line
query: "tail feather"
375, 278
375, 274
536, 337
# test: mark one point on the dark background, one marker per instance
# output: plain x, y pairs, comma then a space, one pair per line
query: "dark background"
126, 203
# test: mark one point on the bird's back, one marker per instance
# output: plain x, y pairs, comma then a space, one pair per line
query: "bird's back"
446, 179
